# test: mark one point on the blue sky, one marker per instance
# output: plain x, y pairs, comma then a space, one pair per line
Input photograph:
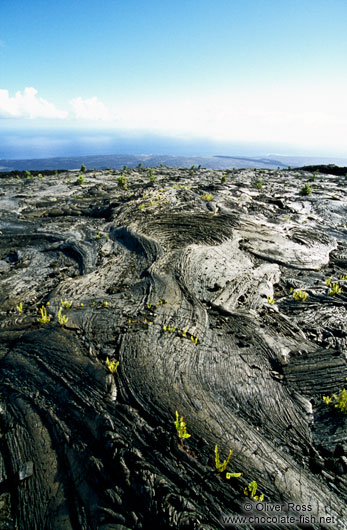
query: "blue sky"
228, 70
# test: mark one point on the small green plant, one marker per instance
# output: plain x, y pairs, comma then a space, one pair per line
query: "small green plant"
151, 176
40, 176
62, 319
221, 467
122, 182
139, 165
181, 427
207, 197
338, 400
65, 303
335, 289
328, 281
124, 169
259, 183
19, 308
169, 328
112, 365
83, 168
28, 175
194, 339
327, 399
343, 277
142, 206
80, 180
251, 491
270, 300
44, 316
162, 302
300, 296
224, 178
306, 190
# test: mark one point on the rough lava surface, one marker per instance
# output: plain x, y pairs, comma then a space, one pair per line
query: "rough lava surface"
188, 282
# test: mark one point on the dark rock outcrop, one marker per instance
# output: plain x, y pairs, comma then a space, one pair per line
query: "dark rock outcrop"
186, 281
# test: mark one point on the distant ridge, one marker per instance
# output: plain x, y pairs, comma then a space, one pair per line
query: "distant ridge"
210, 162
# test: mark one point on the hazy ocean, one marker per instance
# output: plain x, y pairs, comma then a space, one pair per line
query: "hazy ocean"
26, 144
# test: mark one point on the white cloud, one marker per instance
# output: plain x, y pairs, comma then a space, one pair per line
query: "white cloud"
91, 109
27, 105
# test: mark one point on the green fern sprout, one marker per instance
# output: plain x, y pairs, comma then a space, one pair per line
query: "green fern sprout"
181, 427
335, 289
62, 319
327, 399
122, 182
44, 316
328, 281
161, 302
112, 365
65, 303
300, 296
221, 467
80, 180
259, 183
338, 400
306, 190
207, 197
251, 490
151, 176
169, 328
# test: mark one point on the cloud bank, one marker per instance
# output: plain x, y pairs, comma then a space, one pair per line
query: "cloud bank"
28, 105
90, 109
306, 116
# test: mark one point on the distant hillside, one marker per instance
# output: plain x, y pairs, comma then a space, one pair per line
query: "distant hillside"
131, 161
329, 169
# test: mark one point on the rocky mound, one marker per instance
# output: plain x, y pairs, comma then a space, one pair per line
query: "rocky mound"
223, 297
